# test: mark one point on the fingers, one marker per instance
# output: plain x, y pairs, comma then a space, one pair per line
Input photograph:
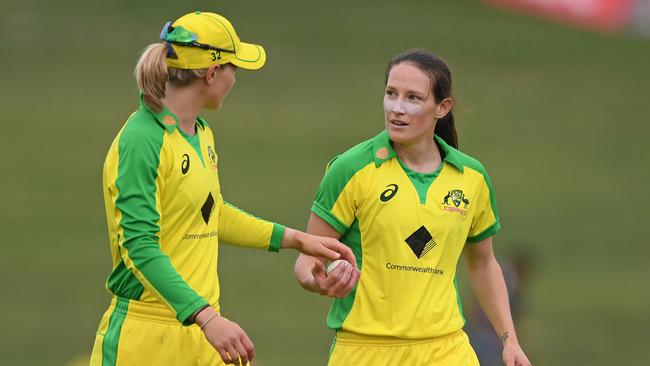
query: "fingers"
352, 282
232, 343
228, 355
326, 253
236, 353
248, 345
342, 250
523, 362
340, 281
346, 283
318, 270
242, 352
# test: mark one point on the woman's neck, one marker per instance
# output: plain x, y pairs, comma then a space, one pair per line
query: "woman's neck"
185, 104
422, 156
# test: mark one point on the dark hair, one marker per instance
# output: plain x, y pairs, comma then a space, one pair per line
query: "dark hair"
440, 77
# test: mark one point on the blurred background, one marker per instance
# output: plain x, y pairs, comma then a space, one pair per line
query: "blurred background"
557, 110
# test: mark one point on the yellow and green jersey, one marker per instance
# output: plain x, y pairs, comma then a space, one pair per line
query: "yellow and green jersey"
166, 214
407, 231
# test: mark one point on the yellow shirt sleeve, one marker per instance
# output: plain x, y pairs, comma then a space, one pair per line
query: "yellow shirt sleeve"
242, 229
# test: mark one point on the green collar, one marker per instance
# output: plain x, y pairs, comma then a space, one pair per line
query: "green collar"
383, 151
166, 118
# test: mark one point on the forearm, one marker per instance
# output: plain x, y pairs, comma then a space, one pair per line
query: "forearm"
239, 228
490, 291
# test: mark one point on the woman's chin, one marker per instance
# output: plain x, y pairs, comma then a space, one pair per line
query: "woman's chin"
398, 135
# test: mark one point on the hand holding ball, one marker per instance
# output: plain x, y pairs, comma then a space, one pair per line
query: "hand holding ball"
335, 264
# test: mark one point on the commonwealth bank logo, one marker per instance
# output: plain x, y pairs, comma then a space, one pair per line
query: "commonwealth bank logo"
421, 242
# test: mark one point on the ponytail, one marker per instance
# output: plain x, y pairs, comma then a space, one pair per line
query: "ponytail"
152, 75
446, 130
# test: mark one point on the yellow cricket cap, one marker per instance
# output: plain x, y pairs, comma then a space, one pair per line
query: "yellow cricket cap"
199, 40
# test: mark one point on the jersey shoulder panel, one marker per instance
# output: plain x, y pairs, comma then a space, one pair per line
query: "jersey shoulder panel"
140, 128
469, 161
347, 164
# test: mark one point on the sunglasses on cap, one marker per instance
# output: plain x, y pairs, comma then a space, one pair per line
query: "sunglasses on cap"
183, 37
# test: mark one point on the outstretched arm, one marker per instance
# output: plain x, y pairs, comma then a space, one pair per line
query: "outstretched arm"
490, 289
240, 228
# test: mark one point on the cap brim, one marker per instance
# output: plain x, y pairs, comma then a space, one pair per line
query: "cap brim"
250, 56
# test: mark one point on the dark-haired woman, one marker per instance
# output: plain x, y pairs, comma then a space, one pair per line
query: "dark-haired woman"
408, 204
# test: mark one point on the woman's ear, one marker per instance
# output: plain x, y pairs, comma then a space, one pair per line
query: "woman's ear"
444, 107
211, 75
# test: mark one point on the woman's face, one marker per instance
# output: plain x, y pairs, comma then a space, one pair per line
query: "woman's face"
219, 82
410, 110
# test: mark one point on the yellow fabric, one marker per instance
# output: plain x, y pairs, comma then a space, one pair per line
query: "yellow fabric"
356, 350
407, 249
483, 217
152, 336
189, 205
235, 228
214, 30
398, 293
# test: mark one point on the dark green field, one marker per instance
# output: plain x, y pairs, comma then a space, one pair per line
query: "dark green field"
559, 117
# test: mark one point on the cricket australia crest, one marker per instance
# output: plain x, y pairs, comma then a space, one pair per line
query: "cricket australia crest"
456, 196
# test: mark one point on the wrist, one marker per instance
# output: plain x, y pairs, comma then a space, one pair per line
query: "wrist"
196, 313
291, 238
204, 314
508, 337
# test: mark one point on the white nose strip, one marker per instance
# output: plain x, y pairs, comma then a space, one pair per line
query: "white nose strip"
401, 107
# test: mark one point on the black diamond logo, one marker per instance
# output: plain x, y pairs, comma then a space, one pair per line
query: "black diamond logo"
421, 242
206, 209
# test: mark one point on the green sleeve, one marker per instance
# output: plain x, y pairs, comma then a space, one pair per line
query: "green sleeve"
485, 222
137, 201
338, 195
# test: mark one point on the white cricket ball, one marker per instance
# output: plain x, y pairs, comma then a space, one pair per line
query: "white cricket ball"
335, 264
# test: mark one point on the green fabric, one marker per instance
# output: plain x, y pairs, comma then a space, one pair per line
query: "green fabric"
421, 181
452, 156
139, 155
327, 216
468, 161
112, 337
276, 238
341, 307
460, 303
166, 112
490, 231
382, 141
463, 160
123, 283
340, 171
195, 143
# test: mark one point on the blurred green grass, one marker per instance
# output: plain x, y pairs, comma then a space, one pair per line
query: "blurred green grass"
558, 116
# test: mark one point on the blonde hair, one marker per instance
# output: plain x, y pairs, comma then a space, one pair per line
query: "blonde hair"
152, 75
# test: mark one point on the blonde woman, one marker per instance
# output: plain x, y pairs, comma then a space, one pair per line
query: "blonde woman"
165, 210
